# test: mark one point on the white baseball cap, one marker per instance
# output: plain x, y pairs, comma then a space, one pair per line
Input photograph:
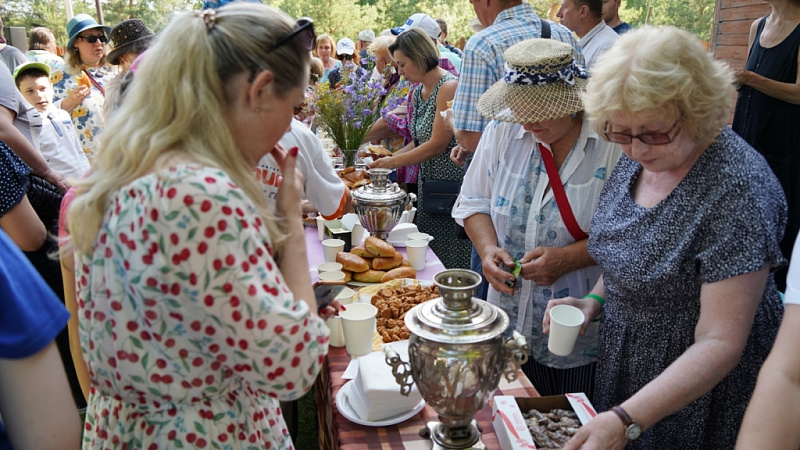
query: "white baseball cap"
345, 46
422, 21
366, 36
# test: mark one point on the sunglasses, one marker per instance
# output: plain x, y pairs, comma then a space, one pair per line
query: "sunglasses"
304, 30
92, 39
645, 138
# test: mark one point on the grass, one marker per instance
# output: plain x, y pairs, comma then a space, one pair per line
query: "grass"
308, 435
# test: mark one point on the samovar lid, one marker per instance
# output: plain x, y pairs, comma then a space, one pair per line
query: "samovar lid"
380, 191
456, 317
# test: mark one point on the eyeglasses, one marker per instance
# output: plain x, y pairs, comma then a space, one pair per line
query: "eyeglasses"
304, 30
645, 138
92, 39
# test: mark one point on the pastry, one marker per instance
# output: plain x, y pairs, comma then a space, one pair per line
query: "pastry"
352, 262
400, 272
379, 247
369, 276
380, 263
361, 251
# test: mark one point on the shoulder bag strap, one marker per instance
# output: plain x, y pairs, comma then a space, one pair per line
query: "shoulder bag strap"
561, 197
95, 83
545, 29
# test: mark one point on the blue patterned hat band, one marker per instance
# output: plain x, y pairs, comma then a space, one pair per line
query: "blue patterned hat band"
566, 74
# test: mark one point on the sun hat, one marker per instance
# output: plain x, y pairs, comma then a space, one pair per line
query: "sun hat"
31, 65
366, 36
128, 35
541, 82
421, 21
79, 24
476, 24
345, 46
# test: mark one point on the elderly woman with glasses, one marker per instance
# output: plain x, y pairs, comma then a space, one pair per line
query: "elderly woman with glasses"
79, 84
538, 138
195, 305
687, 233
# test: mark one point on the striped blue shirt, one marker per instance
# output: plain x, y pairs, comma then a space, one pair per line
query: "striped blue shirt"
483, 61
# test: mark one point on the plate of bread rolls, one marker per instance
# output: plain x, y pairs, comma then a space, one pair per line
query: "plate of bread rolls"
376, 261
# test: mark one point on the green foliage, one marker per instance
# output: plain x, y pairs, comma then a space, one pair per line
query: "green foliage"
695, 16
342, 18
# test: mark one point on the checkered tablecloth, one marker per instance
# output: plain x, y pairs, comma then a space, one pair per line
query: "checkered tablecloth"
336, 432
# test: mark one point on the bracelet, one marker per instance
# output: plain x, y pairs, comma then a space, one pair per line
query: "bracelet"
599, 299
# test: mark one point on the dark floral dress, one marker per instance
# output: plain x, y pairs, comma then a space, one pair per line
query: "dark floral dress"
452, 251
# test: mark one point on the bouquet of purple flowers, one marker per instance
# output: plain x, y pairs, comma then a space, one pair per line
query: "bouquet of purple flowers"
347, 111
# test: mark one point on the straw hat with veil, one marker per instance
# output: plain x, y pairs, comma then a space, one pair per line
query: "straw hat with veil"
541, 82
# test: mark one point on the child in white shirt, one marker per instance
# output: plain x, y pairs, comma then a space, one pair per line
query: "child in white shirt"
58, 140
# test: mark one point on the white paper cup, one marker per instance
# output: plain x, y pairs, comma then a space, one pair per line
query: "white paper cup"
419, 237
358, 323
417, 251
346, 296
321, 228
329, 267
337, 334
331, 248
331, 276
565, 323
356, 234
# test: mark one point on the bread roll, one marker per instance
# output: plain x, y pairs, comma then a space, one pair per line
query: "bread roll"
379, 263
370, 276
379, 247
348, 276
361, 251
400, 272
405, 263
352, 262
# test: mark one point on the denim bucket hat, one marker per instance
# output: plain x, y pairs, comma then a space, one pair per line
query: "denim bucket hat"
81, 23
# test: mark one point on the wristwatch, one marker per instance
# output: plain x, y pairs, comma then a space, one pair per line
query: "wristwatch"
632, 429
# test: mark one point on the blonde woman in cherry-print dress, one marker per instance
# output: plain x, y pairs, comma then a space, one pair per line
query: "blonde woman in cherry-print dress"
195, 306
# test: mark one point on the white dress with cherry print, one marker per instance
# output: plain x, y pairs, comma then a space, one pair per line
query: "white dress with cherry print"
190, 334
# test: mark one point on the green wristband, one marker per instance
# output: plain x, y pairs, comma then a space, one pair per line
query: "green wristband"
599, 299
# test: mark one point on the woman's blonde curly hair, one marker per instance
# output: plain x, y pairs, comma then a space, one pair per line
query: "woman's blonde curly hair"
662, 70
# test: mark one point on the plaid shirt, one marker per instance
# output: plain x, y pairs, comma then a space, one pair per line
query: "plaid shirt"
483, 62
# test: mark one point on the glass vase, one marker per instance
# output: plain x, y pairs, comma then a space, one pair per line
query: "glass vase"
349, 157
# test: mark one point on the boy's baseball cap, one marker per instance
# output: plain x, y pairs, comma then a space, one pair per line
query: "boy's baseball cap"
31, 65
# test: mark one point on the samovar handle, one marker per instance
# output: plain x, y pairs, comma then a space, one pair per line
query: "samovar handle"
401, 376
516, 353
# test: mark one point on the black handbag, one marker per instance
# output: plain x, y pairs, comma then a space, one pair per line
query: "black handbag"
46, 201
439, 196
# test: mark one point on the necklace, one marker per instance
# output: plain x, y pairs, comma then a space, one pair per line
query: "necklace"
780, 30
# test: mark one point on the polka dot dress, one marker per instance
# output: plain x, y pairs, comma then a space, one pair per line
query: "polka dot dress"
13, 179
724, 219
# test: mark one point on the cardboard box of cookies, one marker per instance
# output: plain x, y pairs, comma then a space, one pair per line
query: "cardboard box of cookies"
552, 419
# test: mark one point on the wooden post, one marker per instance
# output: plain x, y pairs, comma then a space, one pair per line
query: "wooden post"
99, 11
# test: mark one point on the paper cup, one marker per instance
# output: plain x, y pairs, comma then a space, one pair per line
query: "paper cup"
346, 296
419, 237
417, 251
358, 323
321, 228
331, 248
565, 323
337, 334
329, 267
331, 276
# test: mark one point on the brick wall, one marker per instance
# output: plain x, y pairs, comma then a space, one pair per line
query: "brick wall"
732, 20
